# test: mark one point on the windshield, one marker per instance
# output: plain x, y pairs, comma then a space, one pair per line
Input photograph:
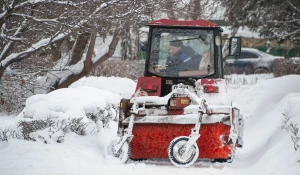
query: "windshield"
182, 52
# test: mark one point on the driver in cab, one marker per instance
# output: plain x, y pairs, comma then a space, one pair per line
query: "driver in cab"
182, 58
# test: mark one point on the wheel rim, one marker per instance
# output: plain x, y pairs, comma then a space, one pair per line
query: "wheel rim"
175, 152
179, 154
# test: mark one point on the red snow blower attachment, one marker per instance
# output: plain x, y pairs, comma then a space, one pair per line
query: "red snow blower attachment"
180, 108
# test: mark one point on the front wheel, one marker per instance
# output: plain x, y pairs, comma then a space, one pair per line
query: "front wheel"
124, 153
178, 156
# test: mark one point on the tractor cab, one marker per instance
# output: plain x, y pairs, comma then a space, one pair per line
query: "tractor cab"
183, 50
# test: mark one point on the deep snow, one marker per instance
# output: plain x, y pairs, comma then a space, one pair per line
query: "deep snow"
268, 148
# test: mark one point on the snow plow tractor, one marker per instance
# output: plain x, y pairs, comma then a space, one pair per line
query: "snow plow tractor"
180, 109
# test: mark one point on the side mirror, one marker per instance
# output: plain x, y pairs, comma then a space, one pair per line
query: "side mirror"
235, 46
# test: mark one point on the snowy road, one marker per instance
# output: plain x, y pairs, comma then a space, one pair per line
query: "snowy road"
268, 106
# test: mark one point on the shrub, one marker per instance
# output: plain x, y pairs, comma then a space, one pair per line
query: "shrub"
54, 129
286, 66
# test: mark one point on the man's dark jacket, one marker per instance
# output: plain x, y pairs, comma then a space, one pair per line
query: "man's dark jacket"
186, 59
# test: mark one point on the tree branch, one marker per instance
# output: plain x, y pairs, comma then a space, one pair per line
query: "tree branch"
21, 55
88, 64
9, 45
111, 51
42, 43
293, 6
292, 33
89, 55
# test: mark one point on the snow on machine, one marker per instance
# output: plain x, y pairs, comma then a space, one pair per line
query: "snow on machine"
180, 109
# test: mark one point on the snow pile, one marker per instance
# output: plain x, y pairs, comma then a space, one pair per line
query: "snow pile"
296, 60
49, 117
237, 80
123, 86
272, 110
6, 120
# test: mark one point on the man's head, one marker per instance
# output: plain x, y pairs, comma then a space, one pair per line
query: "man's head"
175, 46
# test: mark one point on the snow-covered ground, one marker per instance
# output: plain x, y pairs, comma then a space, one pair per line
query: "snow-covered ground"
269, 105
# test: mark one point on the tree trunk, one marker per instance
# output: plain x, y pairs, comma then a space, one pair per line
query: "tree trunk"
79, 46
124, 44
88, 64
170, 9
129, 43
196, 10
2, 69
111, 51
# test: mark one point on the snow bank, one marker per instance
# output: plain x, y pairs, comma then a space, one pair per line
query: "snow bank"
238, 80
270, 106
68, 103
6, 120
48, 118
122, 86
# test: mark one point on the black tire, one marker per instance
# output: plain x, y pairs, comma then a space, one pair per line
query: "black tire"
177, 158
261, 71
229, 160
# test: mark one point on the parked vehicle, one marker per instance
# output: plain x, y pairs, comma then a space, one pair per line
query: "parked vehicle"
250, 61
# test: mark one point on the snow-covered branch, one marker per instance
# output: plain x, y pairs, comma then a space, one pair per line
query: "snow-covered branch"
284, 15
35, 19
3, 14
36, 2
13, 7
33, 48
9, 44
292, 33
45, 21
97, 10
293, 6
71, 26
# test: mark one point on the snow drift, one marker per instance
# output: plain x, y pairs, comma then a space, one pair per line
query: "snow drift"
271, 139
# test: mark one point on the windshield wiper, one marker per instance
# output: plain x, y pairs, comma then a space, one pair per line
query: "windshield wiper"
201, 37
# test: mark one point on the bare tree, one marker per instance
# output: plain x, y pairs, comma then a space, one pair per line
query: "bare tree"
189, 9
271, 18
29, 26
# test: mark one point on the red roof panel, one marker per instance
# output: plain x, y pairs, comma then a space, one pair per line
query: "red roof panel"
170, 22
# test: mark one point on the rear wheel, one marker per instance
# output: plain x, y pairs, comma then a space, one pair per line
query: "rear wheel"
260, 71
176, 152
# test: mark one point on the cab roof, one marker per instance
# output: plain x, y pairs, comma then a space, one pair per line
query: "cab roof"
190, 23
